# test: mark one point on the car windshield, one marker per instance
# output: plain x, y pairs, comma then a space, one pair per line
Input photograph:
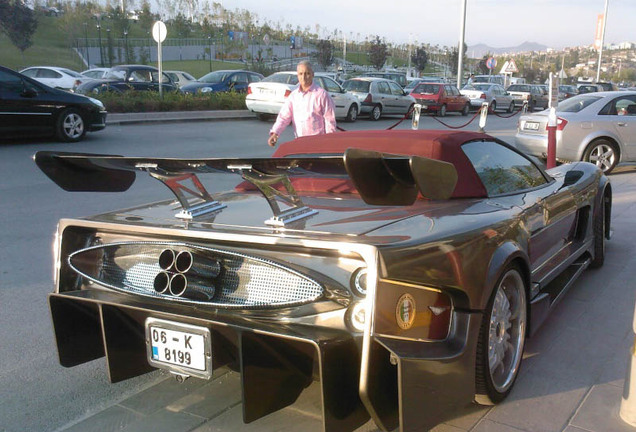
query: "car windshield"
282, 78
519, 88
214, 77
116, 74
577, 103
356, 86
426, 89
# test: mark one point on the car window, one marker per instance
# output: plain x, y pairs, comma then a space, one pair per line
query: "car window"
240, 77
116, 74
188, 76
577, 103
254, 78
396, 89
519, 88
31, 73
140, 76
623, 105
356, 86
502, 170
426, 89
48, 73
10, 83
383, 87
330, 85
282, 78
173, 76
214, 77
72, 73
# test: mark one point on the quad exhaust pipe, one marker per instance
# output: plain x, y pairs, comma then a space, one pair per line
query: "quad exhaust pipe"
187, 275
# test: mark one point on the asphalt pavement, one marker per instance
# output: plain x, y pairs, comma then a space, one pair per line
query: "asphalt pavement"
571, 379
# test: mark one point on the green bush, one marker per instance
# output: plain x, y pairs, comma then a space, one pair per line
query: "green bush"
148, 101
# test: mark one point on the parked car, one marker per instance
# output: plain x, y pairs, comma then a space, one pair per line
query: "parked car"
567, 91
496, 96
497, 79
266, 98
544, 99
223, 80
441, 98
95, 73
128, 77
398, 77
415, 81
594, 127
54, 76
404, 279
28, 107
588, 88
529, 93
180, 78
379, 96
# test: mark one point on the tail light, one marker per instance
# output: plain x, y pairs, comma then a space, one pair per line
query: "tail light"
482, 96
249, 90
368, 99
287, 93
561, 123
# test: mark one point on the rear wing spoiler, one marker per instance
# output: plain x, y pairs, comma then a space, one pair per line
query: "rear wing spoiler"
380, 178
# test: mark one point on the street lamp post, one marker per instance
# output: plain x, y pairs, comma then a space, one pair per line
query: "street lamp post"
110, 62
600, 51
126, 45
210, 44
99, 36
88, 56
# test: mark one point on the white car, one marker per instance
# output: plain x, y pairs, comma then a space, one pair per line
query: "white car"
266, 97
496, 96
95, 73
56, 77
180, 78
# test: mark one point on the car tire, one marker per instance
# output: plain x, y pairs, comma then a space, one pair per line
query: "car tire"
603, 154
376, 113
70, 126
465, 110
511, 108
598, 226
262, 117
501, 338
442, 111
352, 114
493, 106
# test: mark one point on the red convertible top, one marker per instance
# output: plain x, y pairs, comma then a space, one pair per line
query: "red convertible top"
433, 144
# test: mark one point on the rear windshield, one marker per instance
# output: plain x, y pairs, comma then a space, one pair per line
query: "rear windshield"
426, 89
282, 78
519, 88
215, 77
72, 73
577, 103
356, 86
481, 87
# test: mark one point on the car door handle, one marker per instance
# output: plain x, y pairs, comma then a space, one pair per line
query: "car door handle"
621, 124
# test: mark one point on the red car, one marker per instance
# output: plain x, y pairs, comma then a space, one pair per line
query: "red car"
440, 98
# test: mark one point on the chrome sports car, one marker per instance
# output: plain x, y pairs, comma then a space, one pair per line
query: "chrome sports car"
402, 270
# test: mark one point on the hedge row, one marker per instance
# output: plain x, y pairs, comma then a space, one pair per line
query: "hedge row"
140, 101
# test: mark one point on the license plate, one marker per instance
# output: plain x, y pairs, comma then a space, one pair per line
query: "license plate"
268, 92
181, 348
531, 126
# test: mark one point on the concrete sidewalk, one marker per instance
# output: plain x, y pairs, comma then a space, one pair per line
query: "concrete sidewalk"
178, 116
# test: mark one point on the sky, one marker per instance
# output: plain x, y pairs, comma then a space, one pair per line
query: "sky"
497, 23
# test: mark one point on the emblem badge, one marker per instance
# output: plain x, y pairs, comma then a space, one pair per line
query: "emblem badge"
405, 311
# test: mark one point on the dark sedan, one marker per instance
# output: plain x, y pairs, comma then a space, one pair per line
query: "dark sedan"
28, 107
222, 81
129, 77
402, 270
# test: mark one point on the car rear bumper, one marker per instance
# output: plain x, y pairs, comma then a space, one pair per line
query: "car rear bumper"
406, 382
263, 107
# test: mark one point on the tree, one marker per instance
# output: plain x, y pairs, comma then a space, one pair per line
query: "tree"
18, 22
420, 58
324, 53
378, 53
454, 58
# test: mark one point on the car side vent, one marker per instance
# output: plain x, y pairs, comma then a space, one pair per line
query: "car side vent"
182, 272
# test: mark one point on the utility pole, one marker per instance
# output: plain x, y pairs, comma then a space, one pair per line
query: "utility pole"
600, 51
460, 60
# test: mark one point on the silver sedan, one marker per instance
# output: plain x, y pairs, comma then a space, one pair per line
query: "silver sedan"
496, 96
595, 127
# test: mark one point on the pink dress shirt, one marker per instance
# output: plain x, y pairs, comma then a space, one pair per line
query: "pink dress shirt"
312, 113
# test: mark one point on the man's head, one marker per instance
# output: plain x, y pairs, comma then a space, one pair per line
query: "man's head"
305, 74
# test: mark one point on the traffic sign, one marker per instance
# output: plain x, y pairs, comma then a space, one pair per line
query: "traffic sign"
511, 67
159, 31
491, 63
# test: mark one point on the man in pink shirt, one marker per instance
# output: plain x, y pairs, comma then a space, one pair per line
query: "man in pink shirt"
309, 106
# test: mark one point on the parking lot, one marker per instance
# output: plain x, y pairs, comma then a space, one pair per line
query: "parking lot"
571, 379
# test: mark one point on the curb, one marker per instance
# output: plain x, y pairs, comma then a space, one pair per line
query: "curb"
177, 116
